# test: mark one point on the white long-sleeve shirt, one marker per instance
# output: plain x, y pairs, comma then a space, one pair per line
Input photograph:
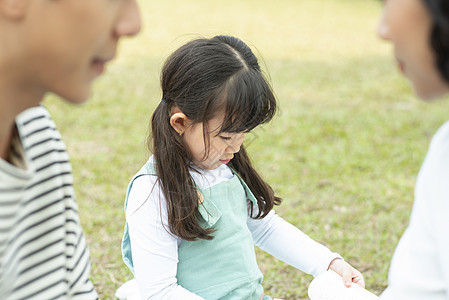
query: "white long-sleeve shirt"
420, 265
155, 249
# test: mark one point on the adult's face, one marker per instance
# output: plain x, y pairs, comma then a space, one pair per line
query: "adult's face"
68, 42
407, 24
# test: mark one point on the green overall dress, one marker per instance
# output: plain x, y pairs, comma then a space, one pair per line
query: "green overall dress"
224, 267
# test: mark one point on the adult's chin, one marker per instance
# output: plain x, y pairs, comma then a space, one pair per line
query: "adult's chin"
431, 93
78, 96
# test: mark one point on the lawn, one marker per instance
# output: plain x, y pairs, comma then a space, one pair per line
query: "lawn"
343, 152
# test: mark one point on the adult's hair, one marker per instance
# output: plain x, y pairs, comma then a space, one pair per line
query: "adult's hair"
439, 10
207, 78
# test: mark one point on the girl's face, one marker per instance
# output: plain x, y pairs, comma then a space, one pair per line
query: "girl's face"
222, 146
407, 24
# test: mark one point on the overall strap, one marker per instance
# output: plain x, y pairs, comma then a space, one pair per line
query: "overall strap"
147, 169
249, 194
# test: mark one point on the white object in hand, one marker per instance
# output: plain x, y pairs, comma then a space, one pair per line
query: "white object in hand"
329, 286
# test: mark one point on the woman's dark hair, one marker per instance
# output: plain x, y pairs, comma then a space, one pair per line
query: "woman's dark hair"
206, 78
439, 10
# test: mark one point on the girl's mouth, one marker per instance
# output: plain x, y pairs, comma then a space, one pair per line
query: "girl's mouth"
225, 161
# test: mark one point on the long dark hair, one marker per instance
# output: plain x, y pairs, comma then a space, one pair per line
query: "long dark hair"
439, 39
203, 78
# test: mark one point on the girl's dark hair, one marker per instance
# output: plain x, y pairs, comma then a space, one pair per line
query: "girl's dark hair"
206, 78
439, 10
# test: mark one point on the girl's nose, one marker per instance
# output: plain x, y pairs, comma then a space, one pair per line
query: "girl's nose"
234, 147
129, 22
236, 143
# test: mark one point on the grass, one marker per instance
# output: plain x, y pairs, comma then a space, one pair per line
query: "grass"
343, 152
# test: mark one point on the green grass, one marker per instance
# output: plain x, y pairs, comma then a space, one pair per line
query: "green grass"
343, 152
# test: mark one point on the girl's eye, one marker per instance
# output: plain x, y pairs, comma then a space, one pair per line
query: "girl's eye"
226, 138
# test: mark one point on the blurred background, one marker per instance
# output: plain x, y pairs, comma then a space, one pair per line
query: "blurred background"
343, 151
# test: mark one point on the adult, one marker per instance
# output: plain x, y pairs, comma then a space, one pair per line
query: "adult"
419, 32
57, 46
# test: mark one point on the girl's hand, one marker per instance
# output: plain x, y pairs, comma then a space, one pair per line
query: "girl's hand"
348, 273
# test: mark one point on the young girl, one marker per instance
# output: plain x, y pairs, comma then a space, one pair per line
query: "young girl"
197, 207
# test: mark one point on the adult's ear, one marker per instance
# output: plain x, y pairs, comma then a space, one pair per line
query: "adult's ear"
179, 122
14, 9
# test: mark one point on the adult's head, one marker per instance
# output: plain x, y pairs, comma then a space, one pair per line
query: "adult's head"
419, 32
61, 46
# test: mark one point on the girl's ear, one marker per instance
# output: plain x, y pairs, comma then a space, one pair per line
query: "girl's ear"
14, 9
179, 122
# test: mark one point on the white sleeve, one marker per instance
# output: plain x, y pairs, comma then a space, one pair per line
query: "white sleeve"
281, 239
154, 248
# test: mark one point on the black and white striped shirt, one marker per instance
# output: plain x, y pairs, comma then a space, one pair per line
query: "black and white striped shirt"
43, 253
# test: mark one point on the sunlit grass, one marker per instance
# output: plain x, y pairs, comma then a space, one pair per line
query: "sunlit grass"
343, 152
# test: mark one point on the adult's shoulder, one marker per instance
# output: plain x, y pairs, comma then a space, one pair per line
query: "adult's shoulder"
439, 146
443, 132
32, 115
432, 180
36, 123
41, 141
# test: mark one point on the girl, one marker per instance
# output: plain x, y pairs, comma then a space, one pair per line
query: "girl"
419, 32
197, 207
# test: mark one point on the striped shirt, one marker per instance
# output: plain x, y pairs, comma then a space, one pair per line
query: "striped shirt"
43, 253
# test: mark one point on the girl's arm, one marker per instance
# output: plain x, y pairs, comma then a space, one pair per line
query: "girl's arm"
154, 248
289, 244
